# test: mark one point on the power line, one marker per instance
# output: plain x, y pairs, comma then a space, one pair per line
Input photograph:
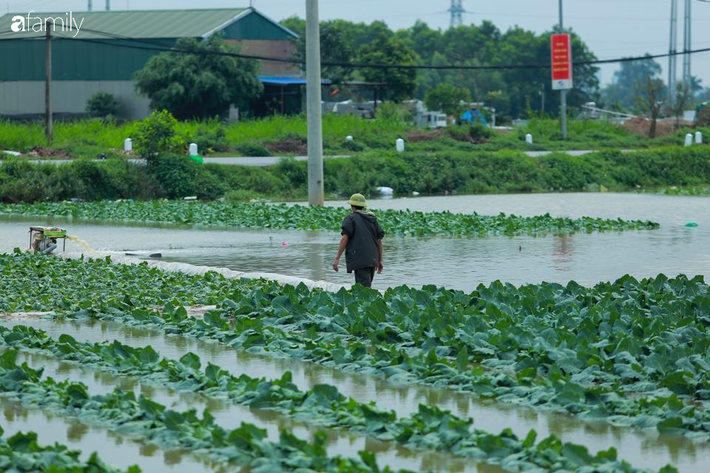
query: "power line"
152, 46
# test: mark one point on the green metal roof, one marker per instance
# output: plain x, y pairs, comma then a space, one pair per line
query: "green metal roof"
140, 23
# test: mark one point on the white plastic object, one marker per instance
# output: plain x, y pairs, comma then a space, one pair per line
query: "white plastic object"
400, 145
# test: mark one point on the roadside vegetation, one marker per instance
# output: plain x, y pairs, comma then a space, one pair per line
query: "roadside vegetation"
286, 136
175, 176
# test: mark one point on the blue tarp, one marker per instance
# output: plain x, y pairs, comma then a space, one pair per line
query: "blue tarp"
284, 81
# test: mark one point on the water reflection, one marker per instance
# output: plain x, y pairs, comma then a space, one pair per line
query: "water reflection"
642, 448
449, 262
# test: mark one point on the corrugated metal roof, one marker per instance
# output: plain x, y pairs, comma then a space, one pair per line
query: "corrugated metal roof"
130, 24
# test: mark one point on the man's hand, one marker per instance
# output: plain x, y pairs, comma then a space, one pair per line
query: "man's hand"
380, 266
336, 263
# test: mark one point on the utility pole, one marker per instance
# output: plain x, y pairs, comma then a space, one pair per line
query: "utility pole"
563, 93
672, 51
314, 110
48, 81
108, 5
90, 7
687, 40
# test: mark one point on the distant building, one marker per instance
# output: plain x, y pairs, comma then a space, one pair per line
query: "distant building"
110, 46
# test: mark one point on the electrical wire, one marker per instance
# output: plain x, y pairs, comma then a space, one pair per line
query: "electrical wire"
153, 46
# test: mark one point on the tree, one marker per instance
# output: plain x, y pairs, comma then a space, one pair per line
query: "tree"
447, 98
389, 50
650, 101
683, 99
102, 104
200, 83
623, 89
335, 46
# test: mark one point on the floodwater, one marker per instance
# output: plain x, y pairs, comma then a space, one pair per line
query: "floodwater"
457, 263
645, 449
115, 450
230, 415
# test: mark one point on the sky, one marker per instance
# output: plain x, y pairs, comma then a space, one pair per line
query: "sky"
612, 28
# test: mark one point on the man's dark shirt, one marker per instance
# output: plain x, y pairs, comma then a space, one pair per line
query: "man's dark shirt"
363, 233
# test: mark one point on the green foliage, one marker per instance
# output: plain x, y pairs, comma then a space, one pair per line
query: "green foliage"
252, 149
703, 116
102, 104
140, 417
179, 176
21, 452
389, 50
155, 135
316, 218
323, 405
239, 196
623, 89
210, 136
447, 98
201, 84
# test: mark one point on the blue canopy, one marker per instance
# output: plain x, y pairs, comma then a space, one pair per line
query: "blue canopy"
284, 81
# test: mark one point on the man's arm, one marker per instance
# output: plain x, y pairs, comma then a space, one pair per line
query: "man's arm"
341, 248
380, 265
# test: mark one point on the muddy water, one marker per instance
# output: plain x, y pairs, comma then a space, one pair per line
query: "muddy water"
451, 262
113, 449
230, 416
641, 448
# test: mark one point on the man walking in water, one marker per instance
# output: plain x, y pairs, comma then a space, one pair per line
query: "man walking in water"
361, 242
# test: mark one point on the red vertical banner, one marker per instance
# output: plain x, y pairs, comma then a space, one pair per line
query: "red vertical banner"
561, 49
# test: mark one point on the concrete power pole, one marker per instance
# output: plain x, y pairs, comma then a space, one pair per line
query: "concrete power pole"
48, 82
687, 40
672, 50
457, 12
316, 195
90, 6
563, 93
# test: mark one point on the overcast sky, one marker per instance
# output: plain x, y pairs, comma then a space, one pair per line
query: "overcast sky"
612, 28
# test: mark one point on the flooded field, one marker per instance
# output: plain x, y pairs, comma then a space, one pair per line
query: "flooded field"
449, 262
230, 415
641, 448
460, 263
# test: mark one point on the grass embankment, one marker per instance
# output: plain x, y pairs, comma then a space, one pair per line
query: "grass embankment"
320, 218
282, 136
427, 173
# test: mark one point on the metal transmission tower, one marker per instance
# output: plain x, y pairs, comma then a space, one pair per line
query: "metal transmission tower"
672, 51
687, 46
457, 12
108, 5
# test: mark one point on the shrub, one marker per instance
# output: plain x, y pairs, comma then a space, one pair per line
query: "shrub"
102, 104
155, 135
179, 176
237, 196
211, 135
252, 149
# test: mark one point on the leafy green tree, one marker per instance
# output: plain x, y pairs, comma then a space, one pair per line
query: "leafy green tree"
102, 104
201, 83
389, 50
156, 135
447, 98
335, 47
624, 88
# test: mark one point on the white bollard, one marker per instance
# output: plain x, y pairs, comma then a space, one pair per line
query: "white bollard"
348, 138
400, 145
529, 139
698, 138
193, 149
688, 139
128, 145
